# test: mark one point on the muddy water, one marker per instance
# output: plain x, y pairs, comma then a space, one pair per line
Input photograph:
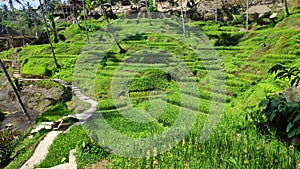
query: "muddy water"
18, 119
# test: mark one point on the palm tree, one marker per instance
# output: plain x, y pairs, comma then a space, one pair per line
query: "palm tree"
74, 6
182, 18
4, 19
148, 13
29, 14
144, 6
16, 93
11, 4
85, 23
47, 31
286, 8
52, 25
63, 11
247, 15
9, 36
216, 11
111, 29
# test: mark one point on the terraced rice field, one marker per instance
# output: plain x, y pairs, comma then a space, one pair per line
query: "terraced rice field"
207, 88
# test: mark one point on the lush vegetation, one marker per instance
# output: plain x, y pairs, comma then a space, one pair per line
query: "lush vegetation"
9, 140
241, 140
60, 149
54, 113
276, 112
25, 148
87, 152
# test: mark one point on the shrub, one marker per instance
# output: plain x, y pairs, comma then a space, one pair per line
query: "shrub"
278, 114
9, 139
149, 80
228, 39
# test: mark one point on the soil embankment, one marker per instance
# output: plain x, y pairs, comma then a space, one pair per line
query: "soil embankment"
36, 97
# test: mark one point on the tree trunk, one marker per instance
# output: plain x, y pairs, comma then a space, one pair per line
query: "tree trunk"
216, 11
182, 18
75, 16
16, 94
85, 23
286, 8
50, 42
247, 15
10, 41
148, 13
111, 29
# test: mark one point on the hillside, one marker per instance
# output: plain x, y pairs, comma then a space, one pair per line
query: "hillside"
196, 90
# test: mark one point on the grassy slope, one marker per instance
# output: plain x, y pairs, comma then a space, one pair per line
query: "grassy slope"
236, 142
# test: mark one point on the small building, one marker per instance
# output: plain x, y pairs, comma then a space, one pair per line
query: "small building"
63, 10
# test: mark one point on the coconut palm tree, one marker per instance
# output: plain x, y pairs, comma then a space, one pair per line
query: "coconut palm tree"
111, 29
247, 15
74, 6
182, 18
47, 31
216, 11
11, 4
286, 8
51, 24
9, 36
144, 7
85, 23
4, 19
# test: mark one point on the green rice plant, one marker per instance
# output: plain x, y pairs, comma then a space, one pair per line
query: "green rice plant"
131, 128
109, 104
25, 149
280, 56
88, 153
62, 145
248, 76
169, 115
54, 113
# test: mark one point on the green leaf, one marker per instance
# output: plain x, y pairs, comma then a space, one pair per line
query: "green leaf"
292, 134
274, 104
289, 126
268, 112
295, 81
282, 108
280, 75
263, 103
272, 116
297, 118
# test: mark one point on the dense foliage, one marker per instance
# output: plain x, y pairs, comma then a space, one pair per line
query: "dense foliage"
60, 149
278, 114
245, 58
292, 74
9, 139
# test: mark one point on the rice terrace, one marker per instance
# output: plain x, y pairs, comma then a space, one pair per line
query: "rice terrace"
200, 84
